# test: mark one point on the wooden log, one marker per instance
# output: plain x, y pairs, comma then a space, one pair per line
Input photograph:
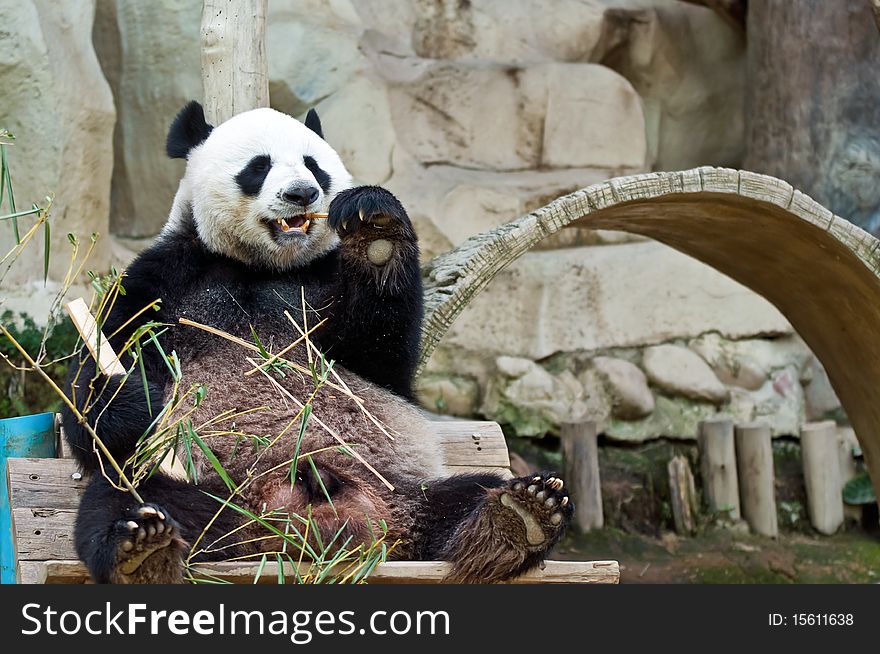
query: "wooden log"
821, 461
234, 67
754, 462
580, 452
718, 467
683, 496
391, 572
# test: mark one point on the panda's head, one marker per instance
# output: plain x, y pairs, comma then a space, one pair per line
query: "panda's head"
252, 182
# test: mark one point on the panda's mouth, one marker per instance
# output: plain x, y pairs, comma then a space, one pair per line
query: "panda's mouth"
290, 225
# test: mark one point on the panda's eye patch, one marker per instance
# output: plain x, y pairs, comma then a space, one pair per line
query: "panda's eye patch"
250, 178
261, 164
319, 173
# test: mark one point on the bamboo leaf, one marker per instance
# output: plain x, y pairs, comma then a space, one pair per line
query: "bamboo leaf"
209, 454
140, 359
46, 247
260, 569
321, 484
304, 421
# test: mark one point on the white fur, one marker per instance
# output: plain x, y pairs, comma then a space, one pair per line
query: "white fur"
231, 223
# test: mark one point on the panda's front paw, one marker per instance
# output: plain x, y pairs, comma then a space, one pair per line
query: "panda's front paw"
371, 208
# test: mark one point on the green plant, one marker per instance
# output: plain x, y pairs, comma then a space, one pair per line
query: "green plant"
859, 490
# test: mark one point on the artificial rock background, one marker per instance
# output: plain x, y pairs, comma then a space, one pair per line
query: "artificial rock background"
472, 112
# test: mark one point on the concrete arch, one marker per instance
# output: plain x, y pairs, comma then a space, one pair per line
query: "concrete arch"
821, 271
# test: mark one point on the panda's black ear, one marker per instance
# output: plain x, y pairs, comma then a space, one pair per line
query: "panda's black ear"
188, 130
314, 123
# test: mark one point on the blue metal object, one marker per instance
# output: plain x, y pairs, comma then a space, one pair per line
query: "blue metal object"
27, 436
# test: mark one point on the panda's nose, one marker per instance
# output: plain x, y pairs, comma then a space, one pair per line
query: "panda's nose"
301, 195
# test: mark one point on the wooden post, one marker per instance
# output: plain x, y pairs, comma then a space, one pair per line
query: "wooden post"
718, 467
819, 452
682, 495
754, 462
234, 67
580, 452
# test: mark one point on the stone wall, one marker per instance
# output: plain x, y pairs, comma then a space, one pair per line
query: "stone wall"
635, 336
473, 112
59, 107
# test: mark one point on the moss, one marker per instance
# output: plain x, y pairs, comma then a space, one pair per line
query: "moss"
672, 417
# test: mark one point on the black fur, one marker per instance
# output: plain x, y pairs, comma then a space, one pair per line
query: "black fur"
320, 174
373, 315
314, 123
447, 503
250, 179
120, 415
98, 532
378, 326
371, 330
188, 130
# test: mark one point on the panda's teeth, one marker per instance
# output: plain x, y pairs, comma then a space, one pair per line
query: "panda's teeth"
284, 226
305, 226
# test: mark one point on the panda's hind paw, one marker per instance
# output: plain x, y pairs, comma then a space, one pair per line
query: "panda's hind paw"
149, 546
542, 503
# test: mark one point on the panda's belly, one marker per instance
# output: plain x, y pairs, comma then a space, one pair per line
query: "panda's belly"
253, 426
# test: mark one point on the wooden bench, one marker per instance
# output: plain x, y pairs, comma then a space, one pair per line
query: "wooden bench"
44, 496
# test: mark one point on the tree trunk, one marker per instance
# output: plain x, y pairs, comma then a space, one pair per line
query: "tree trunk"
234, 67
813, 101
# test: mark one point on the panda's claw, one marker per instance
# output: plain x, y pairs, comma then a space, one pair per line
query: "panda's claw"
357, 208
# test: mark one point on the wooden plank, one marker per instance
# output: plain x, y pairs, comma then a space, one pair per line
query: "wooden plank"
396, 572
34, 572
45, 483
45, 495
472, 443
42, 534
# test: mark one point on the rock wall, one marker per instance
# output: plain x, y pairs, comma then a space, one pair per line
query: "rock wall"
635, 336
472, 112
60, 108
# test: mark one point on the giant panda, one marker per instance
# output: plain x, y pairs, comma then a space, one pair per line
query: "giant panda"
238, 251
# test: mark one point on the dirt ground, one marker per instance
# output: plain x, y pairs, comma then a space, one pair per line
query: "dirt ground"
726, 557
